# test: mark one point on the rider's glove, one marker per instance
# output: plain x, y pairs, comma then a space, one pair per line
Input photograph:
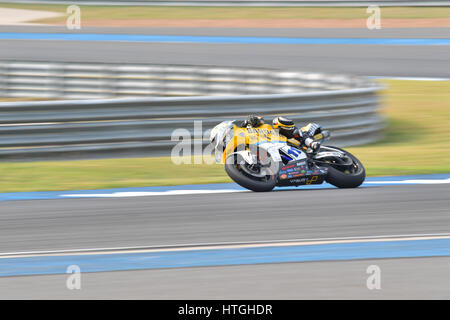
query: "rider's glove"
315, 145
310, 143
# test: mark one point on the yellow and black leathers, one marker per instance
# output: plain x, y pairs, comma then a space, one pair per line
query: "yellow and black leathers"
304, 135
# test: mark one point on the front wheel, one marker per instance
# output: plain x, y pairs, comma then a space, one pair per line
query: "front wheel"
249, 177
345, 172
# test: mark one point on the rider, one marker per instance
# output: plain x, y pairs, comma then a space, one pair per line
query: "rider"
287, 128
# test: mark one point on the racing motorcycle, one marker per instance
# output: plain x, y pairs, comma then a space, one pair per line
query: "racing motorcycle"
260, 159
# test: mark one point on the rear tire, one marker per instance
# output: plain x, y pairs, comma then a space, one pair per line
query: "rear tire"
343, 180
247, 182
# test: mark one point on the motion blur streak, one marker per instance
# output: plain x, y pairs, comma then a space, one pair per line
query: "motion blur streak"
203, 39
79, 221
368, 60
209, 189
222, 217
350, 250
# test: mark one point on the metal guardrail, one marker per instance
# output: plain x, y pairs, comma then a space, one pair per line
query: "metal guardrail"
247, 3
108, 80
132, 127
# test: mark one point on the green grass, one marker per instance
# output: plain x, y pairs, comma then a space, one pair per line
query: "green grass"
417, 141
111, 173
227, 13
418, 136
3, 99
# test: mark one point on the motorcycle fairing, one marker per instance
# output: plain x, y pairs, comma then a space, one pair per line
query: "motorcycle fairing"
264, 137
298, 172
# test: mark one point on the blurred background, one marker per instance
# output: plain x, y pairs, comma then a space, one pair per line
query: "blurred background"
91, 91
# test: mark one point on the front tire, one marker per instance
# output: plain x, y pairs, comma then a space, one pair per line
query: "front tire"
231, 167
346, 180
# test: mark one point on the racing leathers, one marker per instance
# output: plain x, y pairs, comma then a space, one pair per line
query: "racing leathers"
287, 128
304, 135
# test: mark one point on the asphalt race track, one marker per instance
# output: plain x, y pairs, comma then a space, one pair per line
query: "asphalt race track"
217, 218
30, 227
48, 225
359, 59
416, 278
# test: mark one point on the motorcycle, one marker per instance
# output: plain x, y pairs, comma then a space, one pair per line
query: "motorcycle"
260, 158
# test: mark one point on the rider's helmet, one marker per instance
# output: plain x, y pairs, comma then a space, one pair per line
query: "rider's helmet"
285, 126
254, 121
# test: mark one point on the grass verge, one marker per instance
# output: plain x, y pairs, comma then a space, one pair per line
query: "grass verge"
230, 13
4, 99
417, 142
418, 136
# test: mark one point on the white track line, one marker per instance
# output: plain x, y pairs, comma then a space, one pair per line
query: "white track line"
149, 193
191, 192
226, 245
418, 181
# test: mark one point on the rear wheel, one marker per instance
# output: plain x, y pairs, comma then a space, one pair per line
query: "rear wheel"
253, 177
345, 172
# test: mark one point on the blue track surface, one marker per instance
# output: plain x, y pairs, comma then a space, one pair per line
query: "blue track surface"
222, 257
222, 39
